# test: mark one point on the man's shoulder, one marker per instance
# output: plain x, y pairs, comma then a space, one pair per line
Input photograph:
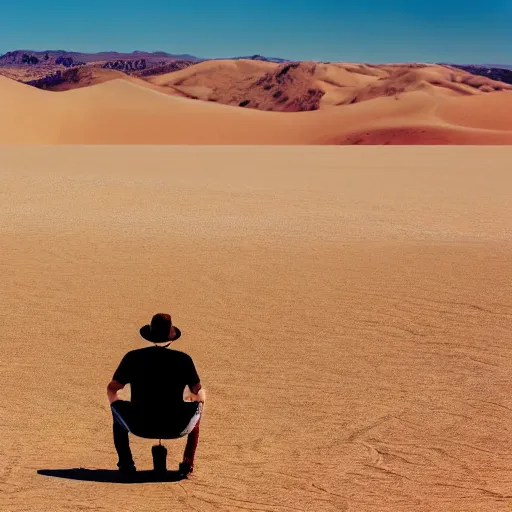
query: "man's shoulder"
158, 351
152, 352
178, 354
137, 353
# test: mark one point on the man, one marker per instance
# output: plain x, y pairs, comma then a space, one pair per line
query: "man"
157, 378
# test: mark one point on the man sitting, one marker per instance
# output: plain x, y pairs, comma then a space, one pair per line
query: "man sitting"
157, 378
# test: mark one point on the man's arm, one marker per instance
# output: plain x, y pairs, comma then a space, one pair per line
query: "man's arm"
112, 390
198, 394
121, 377
193, 381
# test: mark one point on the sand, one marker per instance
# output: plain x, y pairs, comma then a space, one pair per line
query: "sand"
133, 111
349, 311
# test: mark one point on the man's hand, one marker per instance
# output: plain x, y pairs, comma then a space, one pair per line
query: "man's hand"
198, 394
112, 390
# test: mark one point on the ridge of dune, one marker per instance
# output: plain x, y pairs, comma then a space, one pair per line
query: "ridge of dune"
89, 76
135, 92
109, 82
85, 76
10, 86
426, 134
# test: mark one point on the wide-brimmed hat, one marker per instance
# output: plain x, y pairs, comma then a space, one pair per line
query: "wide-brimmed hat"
159, 329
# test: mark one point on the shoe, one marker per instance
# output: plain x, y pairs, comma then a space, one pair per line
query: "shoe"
185, 468
127, 469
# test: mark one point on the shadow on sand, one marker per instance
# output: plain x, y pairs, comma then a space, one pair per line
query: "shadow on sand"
112, 476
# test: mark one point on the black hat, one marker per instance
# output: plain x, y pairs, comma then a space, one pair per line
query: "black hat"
159, 330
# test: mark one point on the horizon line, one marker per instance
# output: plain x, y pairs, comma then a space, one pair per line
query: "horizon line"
132, 52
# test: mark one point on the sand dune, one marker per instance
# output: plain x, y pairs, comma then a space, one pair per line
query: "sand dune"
129, 110
221, 81
124, 112
303, 86
427, 134
349, 311
489, 111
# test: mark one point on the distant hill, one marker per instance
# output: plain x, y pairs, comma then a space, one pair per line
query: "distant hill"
501, 74
278, 60
499, 66
30, 57
48, 68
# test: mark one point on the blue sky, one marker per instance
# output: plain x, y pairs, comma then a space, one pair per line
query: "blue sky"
366, 30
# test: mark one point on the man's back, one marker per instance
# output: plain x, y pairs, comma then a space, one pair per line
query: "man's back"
157, 377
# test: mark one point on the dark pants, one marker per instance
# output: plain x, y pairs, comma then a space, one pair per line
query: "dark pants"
184, 424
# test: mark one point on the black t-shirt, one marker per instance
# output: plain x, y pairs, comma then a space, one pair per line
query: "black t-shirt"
157, 377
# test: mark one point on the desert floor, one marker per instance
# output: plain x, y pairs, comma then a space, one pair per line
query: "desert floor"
349, 310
